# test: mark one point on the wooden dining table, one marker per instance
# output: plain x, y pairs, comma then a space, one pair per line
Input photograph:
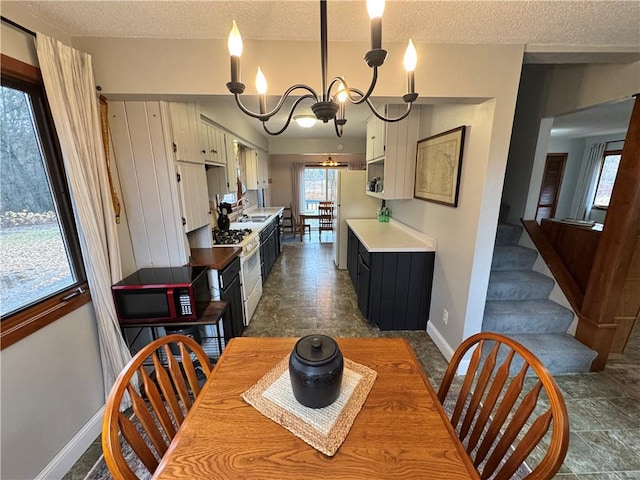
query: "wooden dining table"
304, 215
401, 432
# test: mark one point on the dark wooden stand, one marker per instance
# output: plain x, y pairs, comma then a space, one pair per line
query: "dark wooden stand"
211, 316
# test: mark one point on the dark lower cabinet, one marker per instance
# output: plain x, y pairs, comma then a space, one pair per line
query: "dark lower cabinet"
230, 290
393, 288
269, 247
352, 257
362, 286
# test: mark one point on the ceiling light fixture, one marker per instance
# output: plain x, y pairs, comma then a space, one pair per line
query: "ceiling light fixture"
305, 121
330, 105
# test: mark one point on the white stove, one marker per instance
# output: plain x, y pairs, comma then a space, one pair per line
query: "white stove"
250, 265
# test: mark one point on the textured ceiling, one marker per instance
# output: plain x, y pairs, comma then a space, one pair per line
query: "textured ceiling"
577, 25
532, 22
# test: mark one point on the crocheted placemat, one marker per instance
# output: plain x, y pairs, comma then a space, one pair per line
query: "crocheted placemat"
323, 428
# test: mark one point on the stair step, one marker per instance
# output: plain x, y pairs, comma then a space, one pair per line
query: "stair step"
508, 234
560, 353
519, 285
526, 316
513, 257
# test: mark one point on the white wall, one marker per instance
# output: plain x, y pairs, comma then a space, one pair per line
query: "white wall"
574, 148
463, 256
298, 146
446, 75
280, 173
51, 388
567, 88
572, 87
51, 381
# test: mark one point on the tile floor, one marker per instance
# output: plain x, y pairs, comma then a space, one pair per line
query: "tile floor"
305, 293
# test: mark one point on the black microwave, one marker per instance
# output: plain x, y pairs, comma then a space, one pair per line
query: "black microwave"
162, 295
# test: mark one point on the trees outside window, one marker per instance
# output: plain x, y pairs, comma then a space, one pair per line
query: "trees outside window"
319, 185
607, 178
41, 268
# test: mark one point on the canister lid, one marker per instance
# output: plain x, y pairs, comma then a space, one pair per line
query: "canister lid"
316, 350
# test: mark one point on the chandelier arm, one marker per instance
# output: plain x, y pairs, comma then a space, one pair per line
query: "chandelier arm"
338, 128
266, 116
385, 119
289, 116
363, 96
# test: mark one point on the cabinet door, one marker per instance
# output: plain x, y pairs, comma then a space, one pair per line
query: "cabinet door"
205, 143
185, 128
231, 150
363, 285
232, 321
376, 133
263, 169
250, 168
352, 257
143, 154
192, 185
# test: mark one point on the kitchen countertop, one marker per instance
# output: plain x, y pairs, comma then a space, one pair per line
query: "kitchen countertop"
214, 258
272, 212
390, 237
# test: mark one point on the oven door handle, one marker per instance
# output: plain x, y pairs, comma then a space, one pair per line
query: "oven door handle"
246, 258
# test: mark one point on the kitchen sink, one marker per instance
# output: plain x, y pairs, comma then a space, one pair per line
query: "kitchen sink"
254, 219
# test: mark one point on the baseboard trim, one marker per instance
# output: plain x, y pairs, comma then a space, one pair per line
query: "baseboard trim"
445, 348
72, 451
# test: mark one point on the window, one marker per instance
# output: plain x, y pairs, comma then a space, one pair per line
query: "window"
41, 271
319, 185
607, 178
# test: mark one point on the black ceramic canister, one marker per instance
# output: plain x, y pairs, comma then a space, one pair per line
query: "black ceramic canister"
315, 368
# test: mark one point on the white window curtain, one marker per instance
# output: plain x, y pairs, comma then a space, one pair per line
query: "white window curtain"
586, 187
69, 82
297, 190
357, 166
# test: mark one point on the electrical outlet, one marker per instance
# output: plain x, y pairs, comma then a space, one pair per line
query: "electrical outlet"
445, 316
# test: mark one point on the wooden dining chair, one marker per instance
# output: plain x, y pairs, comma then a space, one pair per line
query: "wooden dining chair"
325, 217
299, 227
168, 385
505, 406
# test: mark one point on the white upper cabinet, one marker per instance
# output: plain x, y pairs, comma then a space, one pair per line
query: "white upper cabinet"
232, 163
249, 165
194, 197
212, 144
263, 169
391, 153
254, 165
185, 131
144, 155
376, 138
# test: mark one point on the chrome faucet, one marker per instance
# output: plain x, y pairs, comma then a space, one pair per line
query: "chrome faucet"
241, 207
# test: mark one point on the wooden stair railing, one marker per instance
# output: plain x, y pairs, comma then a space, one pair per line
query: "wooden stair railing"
562, 275
596, 305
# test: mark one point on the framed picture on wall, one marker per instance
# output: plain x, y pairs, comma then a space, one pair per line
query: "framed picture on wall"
438, 165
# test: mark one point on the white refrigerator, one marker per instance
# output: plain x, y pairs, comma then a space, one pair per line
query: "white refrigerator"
351, 202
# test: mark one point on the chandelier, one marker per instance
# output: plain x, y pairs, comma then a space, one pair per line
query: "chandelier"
330, 104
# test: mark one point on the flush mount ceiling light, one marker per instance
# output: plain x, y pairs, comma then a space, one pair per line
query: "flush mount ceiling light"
305, 121
330, 104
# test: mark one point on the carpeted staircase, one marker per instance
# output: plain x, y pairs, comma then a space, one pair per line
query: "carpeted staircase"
518, 306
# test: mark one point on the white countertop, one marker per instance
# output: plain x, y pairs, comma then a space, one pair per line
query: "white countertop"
271, 212
390, 237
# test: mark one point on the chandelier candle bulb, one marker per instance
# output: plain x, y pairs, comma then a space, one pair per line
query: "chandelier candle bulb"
376, 9
235, 51
261, 87
410, 61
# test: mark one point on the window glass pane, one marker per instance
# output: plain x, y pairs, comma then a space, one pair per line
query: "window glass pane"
315, 187
606, 180
35, 261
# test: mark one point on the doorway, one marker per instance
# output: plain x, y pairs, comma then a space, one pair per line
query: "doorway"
550, 187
